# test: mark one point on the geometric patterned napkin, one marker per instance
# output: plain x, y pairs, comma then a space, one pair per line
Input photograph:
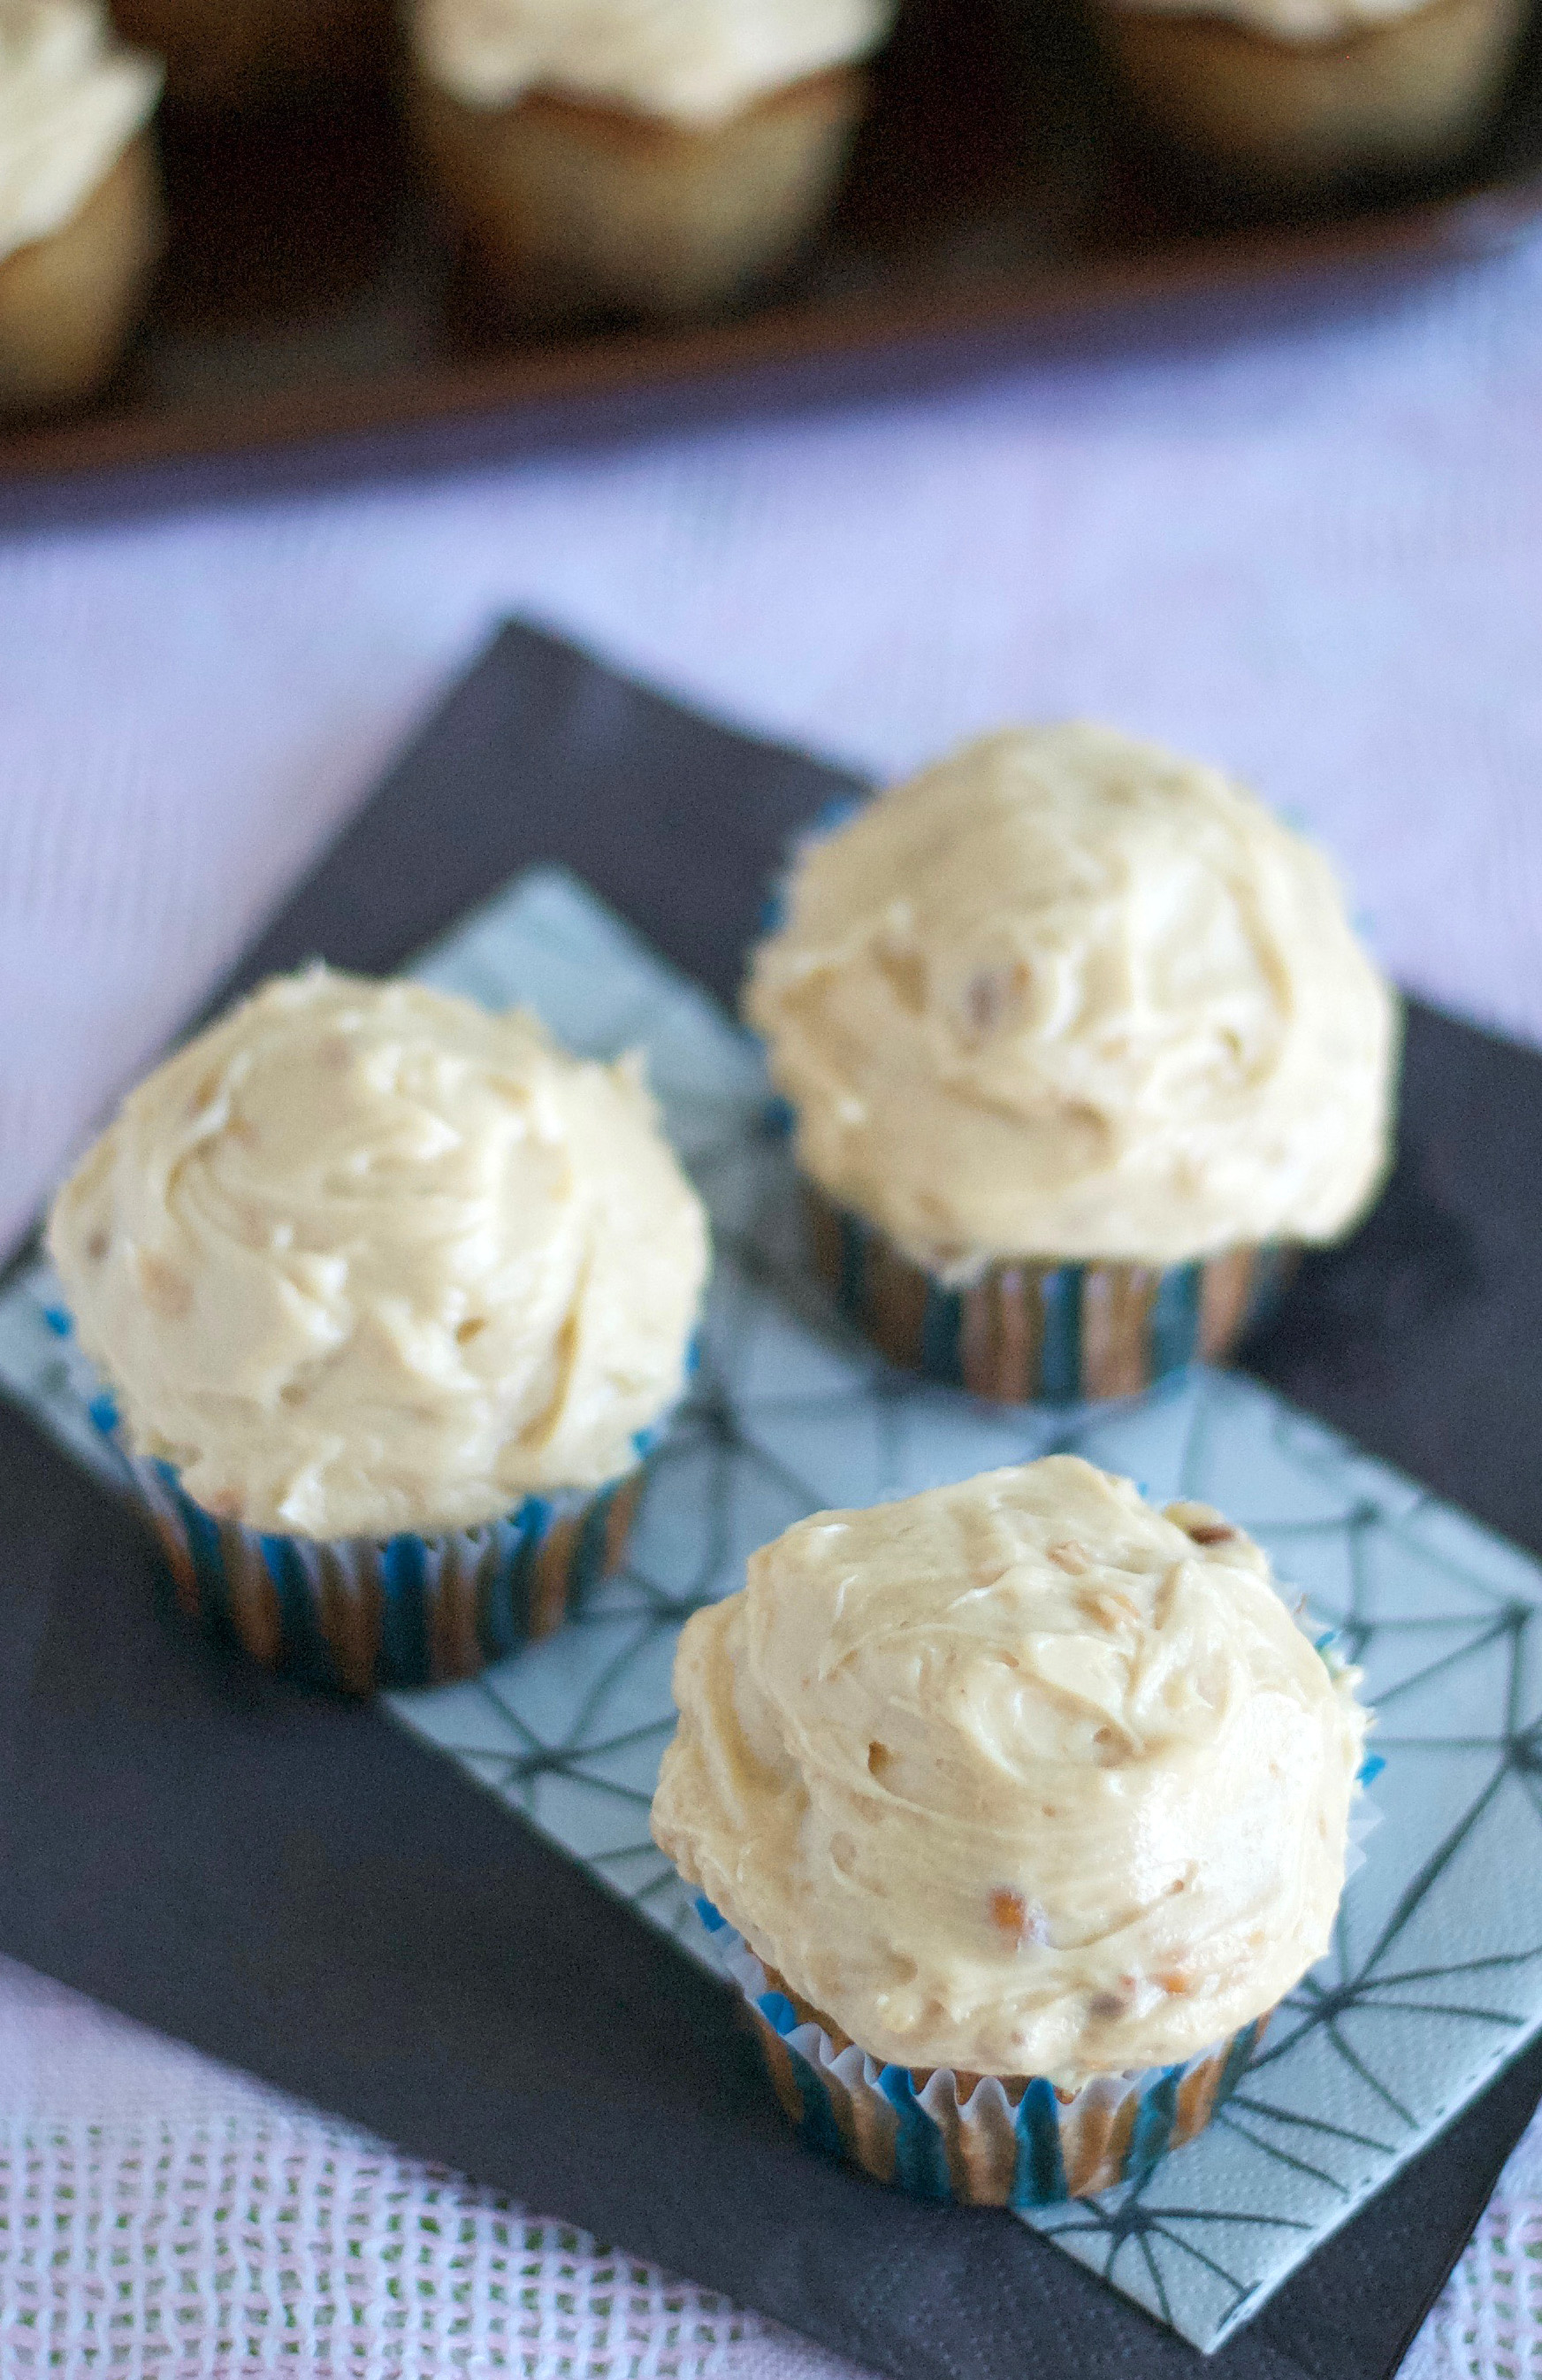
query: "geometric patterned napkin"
1435, 1978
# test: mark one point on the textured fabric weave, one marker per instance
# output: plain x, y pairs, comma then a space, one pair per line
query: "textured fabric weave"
162, 2220
238, 2248
1488, 2323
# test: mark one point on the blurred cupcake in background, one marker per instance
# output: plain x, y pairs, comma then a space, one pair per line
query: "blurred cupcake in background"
649, 156
1080, 1044
81, 216
1298, 99
1028, 1803
238, 53
389, 1296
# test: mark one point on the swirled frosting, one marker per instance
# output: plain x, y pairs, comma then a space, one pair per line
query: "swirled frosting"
1303, 23
364, 1258
1020, 1778
696, 62
1067, 995
70, 102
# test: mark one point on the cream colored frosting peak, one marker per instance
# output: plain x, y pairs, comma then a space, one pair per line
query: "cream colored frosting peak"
1300, 22
1067, 995
70, 102
364, 1258
1020, 1778
694, 61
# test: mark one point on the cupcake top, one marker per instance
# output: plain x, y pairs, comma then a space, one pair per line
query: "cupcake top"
1020, 1778
1298, 21
1069, 996
695, 62
363, 1257
70, 102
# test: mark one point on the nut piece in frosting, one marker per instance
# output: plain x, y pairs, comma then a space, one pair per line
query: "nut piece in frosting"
1018, 1778
1069, 997
363, 1258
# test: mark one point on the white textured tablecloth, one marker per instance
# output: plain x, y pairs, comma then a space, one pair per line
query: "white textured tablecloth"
1312, 554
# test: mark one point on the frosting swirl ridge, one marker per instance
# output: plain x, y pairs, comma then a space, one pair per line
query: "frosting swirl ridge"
695, 62
1304, 24
1068, 996
1020, 1777
364, 1258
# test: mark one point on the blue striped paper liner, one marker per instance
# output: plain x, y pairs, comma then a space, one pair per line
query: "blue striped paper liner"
1026, 2146
1171, 1330
294, 1602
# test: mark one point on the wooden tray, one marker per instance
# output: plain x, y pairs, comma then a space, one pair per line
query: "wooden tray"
309, 325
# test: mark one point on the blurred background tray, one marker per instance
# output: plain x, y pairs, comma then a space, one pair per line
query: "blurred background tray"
310, 325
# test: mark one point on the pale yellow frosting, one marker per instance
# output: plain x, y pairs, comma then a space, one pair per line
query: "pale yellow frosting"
1067, 995
1019, 1778
70, 102
364, 1258
696, 62
1304, 23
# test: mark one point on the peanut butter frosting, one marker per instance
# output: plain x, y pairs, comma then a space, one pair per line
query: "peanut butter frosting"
363, 1257
695, 62
70, 102
1020, 1778
1069, 996
1304, 23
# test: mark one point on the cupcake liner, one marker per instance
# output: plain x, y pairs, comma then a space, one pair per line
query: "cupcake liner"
1045, 1334
975, 2140
1288, 120
568, 205
358, 1613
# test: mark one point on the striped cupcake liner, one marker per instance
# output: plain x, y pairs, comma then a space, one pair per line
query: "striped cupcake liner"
359, 1613
975, 2140
1046, 1333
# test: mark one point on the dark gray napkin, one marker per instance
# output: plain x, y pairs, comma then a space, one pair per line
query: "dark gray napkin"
295, 1886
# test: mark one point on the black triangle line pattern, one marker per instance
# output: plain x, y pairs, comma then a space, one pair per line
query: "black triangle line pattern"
1430, 1980
726, 1451
1154, 2246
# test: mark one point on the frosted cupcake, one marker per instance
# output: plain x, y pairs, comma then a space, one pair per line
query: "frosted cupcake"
389, 1293
656, 156
1027, 1802
81, 220
1080, 1041
1301, 97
